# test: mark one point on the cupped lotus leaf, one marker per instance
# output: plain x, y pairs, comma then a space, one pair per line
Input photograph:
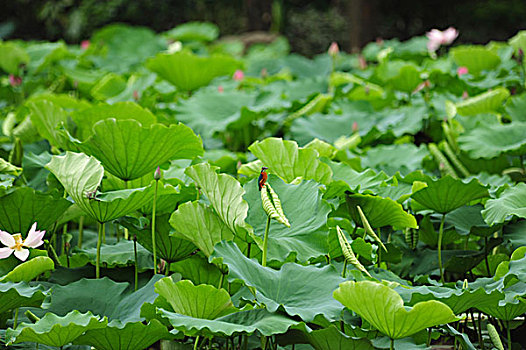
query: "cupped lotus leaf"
15, 295
125, 336
86, 118
169, 248
303, 291
506, 310
198, 224
198, 270
226, 197
202, 301
119, 255
323, 148
13, 56
392, 158
194, 31
188, 71
307, 212
384, 308
512, 201
243, 322
8, 168
475, 58
47, 117
487, 141
108, 86
331, 338
24, 206
128, 150
407, 79
288, 161
81, 175
53, 330
379, 211
29, 270
515, 107
447, 194
486, 102
346, 178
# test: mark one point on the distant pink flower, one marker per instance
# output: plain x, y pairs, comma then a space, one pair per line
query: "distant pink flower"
238, 75
14, 80
462, 70
264, 73
354, 127
362, 63
465, 95
220, 89
135, 95
438, 38
333, 49
15, 243
84, 44
422, 86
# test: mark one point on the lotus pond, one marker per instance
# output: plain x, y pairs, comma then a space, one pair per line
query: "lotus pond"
132, 216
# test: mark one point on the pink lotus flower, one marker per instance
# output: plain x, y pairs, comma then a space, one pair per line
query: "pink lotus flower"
15, 243
438, 38
220, 89
238, 75
84, 44
462, 70
333, 49
15, 81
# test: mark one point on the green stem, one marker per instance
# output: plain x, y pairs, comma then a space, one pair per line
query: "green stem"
81, 231
486, 255
481, 341
15, 322
153, 228
221, 280
54, 254
248, 250
392, 344
167, 269
126, 232
344, 271
136, 265
265, 243
196, 342
508, 334
99, 243
440, 234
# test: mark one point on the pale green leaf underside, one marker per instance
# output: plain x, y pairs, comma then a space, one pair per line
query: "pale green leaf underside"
511, 201
490, 141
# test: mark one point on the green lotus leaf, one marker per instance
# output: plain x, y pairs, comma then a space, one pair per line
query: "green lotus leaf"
12, 57
323, 148
194, 31
119, 255
512, 201
225, 195
44, 54
304, 291
189, 72
331, 338
484, 103
243, 322
24, 206
198, 270
202, 301
47, 117
129, 151
447, 194
475, 58
15, 295
379, 211
407, 79
169, 248
53, 330
346, 178
511, 303
392, 158
81, 175
287, 160
8, 168
384, 309
307, 212
468, 220
125, 336
108, 86
487, 141
29, 270
86, 118
515, 107
199, 224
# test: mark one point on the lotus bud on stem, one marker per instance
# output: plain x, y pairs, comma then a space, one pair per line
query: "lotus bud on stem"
157, 176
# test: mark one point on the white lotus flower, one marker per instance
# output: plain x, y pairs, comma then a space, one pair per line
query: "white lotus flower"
15, 243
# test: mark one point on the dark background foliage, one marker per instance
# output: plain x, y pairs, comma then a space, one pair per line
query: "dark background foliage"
309, 25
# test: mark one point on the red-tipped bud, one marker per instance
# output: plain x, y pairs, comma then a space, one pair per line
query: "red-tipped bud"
238, 75
84, 44
354, 127
362, 63
220, 89
157, 175
462, 70
465, 95
135, 95
15, 81
333, 50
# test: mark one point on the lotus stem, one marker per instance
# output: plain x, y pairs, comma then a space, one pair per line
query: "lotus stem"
126, 232
196, 342
221, 280
481, 341
136, 269
81, 231
508, 334
486, 255
99, 243
248, 250
392, 344
440, 234
344, 268
153, 227
15, 322
31, 316
265, 243
167, 268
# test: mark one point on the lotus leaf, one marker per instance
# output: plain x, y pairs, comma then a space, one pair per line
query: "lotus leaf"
512, 201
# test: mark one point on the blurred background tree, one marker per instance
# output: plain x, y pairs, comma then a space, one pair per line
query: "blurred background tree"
310, 26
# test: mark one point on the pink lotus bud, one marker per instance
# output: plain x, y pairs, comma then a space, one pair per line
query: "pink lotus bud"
438, 38
333, 50
161, 265
135, 95
354, 127
157, 175
362, 63
220, 89
84, 44
462, 70
14, 80
238, 75
465, 95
